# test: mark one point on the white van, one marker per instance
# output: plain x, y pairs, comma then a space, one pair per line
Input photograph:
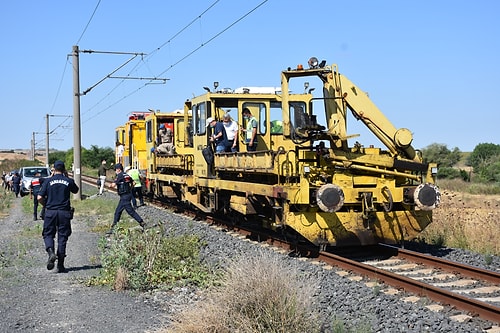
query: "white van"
27, 174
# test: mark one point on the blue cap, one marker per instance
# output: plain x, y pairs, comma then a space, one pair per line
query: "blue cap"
118, 166
162, 126
59, 165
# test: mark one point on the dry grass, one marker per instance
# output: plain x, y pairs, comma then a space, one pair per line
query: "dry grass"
466, 221
6, 157
258, 294
121, 280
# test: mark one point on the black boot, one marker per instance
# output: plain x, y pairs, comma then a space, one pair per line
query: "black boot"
60, 264
52, 258
143, 225
110, 231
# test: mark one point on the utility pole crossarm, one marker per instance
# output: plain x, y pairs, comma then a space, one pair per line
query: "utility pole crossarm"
114, 52
76, 105
109, 75
139, 78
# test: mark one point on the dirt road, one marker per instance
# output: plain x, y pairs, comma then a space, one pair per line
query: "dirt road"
33, 299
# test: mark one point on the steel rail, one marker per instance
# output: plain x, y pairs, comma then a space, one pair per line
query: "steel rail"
482, 309
447, 265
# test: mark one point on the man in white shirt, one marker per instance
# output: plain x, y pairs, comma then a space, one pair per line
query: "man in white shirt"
231, 128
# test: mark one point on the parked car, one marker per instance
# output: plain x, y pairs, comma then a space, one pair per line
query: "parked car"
27, 174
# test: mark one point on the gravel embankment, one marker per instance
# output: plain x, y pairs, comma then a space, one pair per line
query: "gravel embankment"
338, 297
33, 299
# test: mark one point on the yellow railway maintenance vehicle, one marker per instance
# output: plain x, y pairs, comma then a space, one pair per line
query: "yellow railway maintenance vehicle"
132, 136
119, 139
164, 168
304, 177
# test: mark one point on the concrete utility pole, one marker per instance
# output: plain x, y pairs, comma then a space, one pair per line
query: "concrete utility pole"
33, 153
77, 147
47, 141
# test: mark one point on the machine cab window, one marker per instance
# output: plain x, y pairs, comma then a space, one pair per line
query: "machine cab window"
276, 116
199, 112
258, 111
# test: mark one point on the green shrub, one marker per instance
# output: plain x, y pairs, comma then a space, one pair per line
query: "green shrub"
448, 173
142, 261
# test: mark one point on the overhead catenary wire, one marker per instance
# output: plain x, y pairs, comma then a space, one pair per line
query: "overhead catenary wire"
88, 23
215, 36
137, 66
176, 63
56, 98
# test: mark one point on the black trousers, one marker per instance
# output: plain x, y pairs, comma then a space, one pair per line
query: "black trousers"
137, 193
56, 222
126, 204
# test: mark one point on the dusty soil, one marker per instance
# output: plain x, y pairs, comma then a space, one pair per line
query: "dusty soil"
467, 206
15, 156
467, 221
33, 299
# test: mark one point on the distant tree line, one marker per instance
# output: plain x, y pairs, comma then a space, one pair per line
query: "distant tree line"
90, 158
483, 162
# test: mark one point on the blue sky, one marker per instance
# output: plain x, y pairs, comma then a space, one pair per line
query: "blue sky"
430, 66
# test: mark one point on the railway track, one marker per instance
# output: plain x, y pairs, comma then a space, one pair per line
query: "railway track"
93, 181
470, 289
467, 288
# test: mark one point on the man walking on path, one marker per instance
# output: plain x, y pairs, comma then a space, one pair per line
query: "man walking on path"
16, 183
36, 185
55, 196
101, 172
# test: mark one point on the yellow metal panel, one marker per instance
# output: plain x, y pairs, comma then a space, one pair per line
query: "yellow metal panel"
183, 180
348, 228
261, 161
241, 205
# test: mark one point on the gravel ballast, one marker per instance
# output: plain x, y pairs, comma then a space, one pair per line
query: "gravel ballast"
36, 300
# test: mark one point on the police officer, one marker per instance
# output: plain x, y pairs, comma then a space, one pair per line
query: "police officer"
16, 183
55, 196
124, 184
35, 188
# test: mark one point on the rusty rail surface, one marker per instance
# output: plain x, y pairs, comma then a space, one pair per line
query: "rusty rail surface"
447, 265
482, 309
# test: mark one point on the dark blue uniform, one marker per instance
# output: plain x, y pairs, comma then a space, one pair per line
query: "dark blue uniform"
124, 188
36, 185
221, 140
58, 213
16, 184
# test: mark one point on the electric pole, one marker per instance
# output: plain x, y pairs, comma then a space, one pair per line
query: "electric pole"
77, 148
33, 147
47, 133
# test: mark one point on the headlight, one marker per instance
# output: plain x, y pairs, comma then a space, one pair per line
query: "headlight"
313, 62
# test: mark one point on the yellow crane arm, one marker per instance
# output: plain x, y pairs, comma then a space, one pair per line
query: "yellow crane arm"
398, 141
